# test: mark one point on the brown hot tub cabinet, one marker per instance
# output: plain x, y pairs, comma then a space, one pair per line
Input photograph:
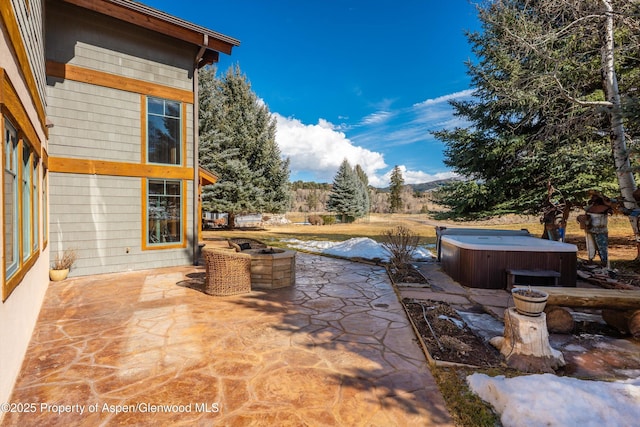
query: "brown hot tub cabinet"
481, 261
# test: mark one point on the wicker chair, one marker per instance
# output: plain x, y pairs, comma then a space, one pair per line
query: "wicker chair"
227, 272
241, 244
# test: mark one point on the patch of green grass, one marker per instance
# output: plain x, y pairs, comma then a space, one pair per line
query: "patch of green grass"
466, 408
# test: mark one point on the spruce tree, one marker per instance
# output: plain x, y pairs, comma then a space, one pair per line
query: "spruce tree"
363, 180
237, 143
395, 198
346, 196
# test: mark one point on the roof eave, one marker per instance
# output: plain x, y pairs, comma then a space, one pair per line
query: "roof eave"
155, 20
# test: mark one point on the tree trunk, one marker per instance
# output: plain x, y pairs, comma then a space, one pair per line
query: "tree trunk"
231, 220
559, 320
624, 174
525, 344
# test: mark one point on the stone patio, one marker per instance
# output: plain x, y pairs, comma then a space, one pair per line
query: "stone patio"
150, 347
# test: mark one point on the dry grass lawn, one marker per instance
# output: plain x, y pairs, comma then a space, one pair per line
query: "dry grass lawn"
622, 250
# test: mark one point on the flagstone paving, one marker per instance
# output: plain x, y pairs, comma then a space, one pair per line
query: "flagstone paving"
150, 347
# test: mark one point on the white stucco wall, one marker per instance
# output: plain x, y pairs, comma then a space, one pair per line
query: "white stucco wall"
19, 312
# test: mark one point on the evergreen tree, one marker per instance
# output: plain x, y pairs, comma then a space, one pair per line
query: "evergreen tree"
395, 196
541, 111
346, 196
363, 181
237, 143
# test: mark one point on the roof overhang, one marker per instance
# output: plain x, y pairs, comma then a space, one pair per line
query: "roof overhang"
155, 20
206, 177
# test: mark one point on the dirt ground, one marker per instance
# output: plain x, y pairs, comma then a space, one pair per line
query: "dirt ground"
447, 338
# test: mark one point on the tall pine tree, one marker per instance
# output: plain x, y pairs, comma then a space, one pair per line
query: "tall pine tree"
237, 143
395, 198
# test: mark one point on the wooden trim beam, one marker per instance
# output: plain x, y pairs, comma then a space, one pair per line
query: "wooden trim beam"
104, 167
11, 105
113, 81
8, 17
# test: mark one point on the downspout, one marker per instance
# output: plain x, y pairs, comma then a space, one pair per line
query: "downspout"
196, 144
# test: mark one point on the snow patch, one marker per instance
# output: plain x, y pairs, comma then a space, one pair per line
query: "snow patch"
549, 400
357, 247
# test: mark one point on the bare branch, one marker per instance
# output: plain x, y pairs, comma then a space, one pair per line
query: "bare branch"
568, 97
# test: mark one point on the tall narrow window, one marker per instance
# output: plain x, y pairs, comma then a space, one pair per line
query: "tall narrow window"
45, 206
164, 212
35, 203
163, 131
26, 202
11, 230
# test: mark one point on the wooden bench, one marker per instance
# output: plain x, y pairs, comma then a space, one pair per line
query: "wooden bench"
620, 307
513, 274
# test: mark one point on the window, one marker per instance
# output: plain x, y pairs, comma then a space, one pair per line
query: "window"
45, 205
35, 205
26, 203
164, 212
21, 201
164, 142
11, 229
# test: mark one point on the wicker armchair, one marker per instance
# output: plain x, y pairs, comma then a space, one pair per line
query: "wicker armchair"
241, 244
227, 272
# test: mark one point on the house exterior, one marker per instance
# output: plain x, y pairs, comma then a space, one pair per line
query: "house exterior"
123, 175
98, 103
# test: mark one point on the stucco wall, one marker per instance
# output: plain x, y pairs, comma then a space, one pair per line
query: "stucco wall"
19, 312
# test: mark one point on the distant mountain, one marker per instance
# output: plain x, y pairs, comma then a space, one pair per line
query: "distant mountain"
424, 186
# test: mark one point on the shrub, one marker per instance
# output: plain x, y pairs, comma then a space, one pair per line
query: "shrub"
401, 243
316, 220
328, 219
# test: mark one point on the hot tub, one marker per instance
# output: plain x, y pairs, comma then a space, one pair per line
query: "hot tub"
481, 261
445, 231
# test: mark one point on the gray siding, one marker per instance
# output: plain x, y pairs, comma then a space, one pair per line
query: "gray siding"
190, 139
30, 21
93, 122
101, 217
101, 43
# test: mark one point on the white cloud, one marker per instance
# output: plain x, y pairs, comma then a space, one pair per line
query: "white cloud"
410, 177
376, 118
319, 149
316, 150
445, 98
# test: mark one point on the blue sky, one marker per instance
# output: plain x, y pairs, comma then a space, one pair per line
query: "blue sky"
364, 80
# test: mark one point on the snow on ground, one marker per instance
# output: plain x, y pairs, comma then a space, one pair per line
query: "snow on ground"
361, 247
549, 400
